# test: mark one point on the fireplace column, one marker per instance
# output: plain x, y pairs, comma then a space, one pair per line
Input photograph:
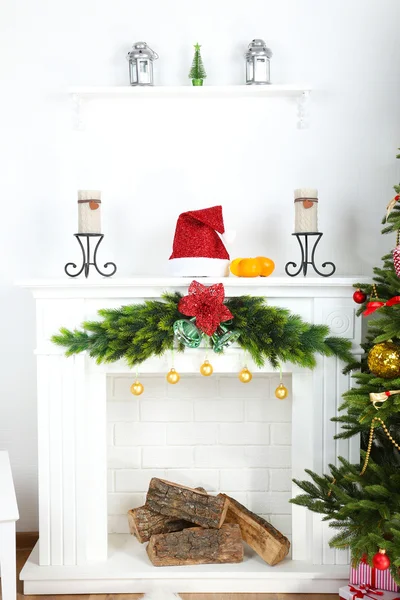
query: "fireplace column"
71, 446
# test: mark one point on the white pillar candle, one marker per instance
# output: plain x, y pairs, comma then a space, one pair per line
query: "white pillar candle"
306, 210
89, 211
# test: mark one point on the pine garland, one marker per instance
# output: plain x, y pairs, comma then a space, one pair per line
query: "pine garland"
138, 331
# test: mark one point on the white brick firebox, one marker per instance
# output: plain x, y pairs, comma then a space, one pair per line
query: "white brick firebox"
207, 431
75, 554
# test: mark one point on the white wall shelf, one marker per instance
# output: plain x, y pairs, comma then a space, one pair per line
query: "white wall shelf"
83, 94
189, 91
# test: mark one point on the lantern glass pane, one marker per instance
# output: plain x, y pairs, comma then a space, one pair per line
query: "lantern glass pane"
132, 73
249, 71
260, 69
144, 67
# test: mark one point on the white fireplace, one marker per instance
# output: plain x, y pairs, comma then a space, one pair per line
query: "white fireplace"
90, 464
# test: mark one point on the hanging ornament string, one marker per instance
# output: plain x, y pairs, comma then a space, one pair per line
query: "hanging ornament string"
371, 437
173, 376
245, 376
137, 388
281, 391
206, 368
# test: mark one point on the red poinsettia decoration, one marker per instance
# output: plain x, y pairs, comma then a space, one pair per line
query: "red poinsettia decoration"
207, 305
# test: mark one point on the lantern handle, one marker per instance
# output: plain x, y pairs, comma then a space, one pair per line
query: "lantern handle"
155, 53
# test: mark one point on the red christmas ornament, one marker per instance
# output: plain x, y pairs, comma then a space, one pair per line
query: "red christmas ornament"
364, 559
380, 560
359, 297
207, 305
396, 260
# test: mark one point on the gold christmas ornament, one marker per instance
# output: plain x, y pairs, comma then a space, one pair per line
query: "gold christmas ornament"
173, 376
281, 392
245, 376
206, 369
137, 388
384, 360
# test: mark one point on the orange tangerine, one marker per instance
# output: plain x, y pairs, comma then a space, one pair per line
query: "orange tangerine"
234, 266
267, 265
249, 267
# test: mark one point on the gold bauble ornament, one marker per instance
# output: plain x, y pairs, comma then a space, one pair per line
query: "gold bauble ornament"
206, 369
137, 388
245, 376
173, 376
281, 392
384, 360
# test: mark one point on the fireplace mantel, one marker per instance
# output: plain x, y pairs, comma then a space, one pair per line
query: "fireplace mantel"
100, 287
75, 554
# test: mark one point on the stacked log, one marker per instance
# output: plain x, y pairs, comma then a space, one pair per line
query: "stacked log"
187, 526
196, 546
180, 502
266, 540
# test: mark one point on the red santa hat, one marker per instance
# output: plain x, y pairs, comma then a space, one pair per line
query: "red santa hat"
198, 250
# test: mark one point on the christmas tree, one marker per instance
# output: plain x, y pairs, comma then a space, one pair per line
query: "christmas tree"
362, 501
197, 72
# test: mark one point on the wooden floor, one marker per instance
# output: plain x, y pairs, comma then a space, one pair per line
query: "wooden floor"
22, 555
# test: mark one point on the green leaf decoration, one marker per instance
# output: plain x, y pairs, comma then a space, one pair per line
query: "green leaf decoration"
139, 331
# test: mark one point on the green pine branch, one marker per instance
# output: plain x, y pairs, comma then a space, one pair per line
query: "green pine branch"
139, 331
364, 510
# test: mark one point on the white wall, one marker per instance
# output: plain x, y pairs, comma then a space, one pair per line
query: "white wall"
157, 160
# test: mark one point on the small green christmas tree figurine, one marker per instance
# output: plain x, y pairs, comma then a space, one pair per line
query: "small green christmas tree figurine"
197, 72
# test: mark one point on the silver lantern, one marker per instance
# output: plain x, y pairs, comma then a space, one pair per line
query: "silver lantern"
141, 59
257, 63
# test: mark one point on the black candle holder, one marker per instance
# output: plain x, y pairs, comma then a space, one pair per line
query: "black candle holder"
86, 251
302, 238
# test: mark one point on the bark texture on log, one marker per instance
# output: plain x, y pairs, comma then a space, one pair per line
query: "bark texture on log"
197, 546
268, 542
143, 523
173, 500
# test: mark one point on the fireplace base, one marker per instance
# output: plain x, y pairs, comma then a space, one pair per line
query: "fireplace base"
128, 571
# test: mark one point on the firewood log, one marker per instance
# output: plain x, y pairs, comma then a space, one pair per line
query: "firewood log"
180, 502
197, 546
143, 523
260, 535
